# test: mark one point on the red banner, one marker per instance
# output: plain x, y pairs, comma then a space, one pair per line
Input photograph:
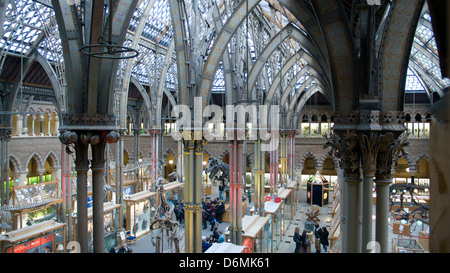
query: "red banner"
42, 244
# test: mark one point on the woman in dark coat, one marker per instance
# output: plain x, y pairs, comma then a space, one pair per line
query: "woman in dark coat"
324, 238
303, 239
297, 240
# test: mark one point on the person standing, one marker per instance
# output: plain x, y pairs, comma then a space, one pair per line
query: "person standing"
304, 239
317, 234
324, 238
221, 237
297, 240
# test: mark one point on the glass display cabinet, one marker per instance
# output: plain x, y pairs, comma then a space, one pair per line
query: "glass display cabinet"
273, 211
255, 234
140, 212
317, 189
112, 214
44, 237
293, 185
286, 209
35, 203
174, 192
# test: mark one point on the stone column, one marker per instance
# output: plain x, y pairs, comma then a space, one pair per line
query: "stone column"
391, 148
346, 149
19, 125
19, 178
369, 143
41, 119
49, 121
25, 124
33, 120
439, 174
55, 132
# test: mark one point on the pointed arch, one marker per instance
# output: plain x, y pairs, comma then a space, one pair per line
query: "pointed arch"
54, 159
15, 164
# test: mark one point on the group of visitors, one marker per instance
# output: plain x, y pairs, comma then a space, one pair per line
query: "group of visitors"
302, 240
216, 237
212, 212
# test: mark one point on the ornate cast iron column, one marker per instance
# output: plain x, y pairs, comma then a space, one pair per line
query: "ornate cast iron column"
259, 171
235, 147
193, 191
344, 143
391, 148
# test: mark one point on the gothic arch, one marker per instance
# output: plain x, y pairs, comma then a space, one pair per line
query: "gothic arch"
54, 159
305, 156
15, 164
38, 159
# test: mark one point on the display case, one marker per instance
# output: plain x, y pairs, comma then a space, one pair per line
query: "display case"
293, 185
140, 212
112, 214
255, 233
45, 237
273, 211
225, 248
406, 245
317, 190
35, 203
130, 182
174, 192
286, 202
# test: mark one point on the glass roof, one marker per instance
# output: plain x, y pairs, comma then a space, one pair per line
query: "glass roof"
31, 24
425, 58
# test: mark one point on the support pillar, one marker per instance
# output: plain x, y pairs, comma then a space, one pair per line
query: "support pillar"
154, 133
391, 148
382, 214
193, 191
97, 140
235, 148
82, 168
291, 154
274, 165
5, 135
284, 158
119, 169
98, 172
369, 143
351, 241
259, 171
345, 148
